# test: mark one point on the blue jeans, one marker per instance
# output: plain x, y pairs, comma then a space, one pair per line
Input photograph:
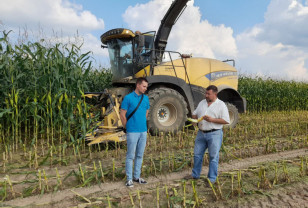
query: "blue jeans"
212, 141
136, 142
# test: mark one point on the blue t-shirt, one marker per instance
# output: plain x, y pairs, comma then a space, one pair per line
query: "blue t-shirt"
138, 122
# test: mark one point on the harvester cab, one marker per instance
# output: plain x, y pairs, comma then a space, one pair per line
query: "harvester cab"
129, 52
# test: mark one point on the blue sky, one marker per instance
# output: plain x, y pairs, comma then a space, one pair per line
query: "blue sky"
265, 37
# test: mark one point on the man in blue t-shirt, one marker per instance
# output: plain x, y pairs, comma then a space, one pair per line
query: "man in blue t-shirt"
136, 128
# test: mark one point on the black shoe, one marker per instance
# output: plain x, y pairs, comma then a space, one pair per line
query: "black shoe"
129, 184
207, 184
190, 177
140, 180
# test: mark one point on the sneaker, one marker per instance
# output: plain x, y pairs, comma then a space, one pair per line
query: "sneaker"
140, 180
129, 184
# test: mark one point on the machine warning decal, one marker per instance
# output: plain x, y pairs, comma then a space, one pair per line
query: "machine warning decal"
217, 75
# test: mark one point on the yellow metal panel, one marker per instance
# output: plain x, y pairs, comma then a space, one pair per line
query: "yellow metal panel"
143, 72
197, 69
231, 81
166, 68
221, 66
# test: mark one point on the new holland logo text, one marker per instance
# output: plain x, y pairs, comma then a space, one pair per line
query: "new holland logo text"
217, 75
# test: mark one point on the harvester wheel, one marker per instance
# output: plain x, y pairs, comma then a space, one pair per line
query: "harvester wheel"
168, 111
234, 115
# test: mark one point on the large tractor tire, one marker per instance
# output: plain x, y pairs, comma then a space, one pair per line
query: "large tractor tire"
234, 115
168, 111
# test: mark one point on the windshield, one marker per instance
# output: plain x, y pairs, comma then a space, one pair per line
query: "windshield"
120, 54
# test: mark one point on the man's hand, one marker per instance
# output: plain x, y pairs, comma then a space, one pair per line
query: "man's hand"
208, 118
194, 117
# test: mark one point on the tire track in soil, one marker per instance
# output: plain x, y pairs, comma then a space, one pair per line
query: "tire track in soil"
66, 198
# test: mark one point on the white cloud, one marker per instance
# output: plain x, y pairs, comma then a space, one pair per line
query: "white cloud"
286, 22
91, 43
146, 17
51, 14
275, 60
277, 47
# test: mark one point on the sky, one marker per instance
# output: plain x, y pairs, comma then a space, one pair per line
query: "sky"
266, 38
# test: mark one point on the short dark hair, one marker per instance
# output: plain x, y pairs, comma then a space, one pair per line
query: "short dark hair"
213, 88
140, 80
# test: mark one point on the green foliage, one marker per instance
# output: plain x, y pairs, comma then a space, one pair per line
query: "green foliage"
99, 79
41, 92
269, 94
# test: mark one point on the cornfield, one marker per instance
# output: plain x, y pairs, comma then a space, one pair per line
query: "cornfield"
269, 94
99, 80
41, 90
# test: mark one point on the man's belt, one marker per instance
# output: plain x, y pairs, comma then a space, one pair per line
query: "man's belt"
208, 131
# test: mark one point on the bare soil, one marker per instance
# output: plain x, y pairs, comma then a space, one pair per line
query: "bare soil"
295, 195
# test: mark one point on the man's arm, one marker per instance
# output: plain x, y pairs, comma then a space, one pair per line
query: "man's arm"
215, 120
123, 117
146, 115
